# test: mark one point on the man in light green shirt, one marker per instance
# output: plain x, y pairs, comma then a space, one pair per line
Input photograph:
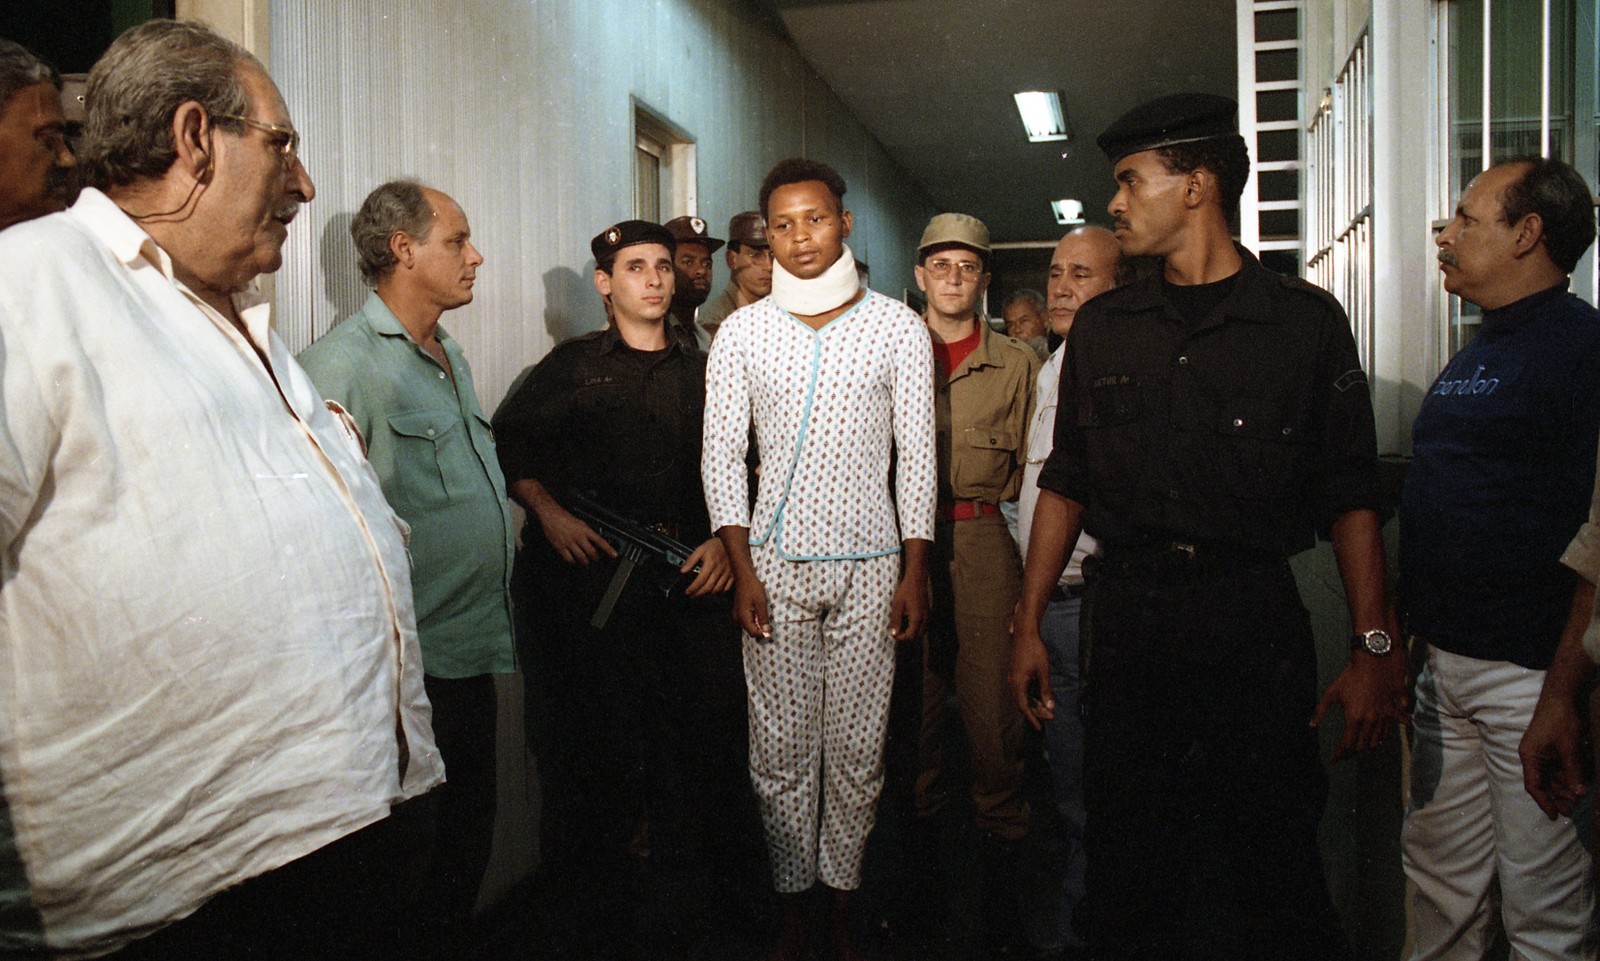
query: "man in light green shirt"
406, 384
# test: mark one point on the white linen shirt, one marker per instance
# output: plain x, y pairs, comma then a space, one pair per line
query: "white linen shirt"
827, 404
1041, 440
207, 642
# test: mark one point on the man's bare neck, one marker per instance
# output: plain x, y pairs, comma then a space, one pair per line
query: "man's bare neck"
419, 318
949, 330
1208, 258
642, 334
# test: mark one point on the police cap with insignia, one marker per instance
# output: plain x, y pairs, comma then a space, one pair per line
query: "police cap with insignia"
692, 230
1170, 120
627, 233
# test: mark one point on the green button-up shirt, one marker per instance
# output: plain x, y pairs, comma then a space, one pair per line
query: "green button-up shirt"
431, 446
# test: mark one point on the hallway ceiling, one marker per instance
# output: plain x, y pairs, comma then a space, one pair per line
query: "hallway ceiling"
933, 79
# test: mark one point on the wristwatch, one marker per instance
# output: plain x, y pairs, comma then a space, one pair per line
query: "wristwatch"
1376, 642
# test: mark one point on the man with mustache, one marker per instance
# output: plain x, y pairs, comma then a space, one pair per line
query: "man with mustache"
214, 688
691, 266
405, 382
749, 270
1213, 419
1500, 480
33, 149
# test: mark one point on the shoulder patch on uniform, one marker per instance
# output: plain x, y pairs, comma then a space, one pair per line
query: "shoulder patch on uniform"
1350, 379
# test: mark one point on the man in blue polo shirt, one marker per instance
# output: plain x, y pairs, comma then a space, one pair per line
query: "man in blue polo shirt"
1504, 464
406, 384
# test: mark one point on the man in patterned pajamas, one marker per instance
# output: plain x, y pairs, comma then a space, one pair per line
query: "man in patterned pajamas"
834, 377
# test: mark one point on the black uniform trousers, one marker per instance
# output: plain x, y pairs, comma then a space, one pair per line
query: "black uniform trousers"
648, 818
1203, 781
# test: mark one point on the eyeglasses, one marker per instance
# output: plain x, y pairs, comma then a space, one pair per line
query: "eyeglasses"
288, 147
969, 270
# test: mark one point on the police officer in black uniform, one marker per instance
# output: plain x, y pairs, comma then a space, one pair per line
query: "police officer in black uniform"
638, 725
1213, 419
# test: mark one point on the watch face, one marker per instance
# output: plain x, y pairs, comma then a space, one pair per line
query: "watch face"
1377, 642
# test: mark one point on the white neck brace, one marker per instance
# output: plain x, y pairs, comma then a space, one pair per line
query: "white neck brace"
807, 298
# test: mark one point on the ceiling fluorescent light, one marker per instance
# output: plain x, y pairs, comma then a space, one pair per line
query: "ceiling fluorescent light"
1067, 212
1043, 115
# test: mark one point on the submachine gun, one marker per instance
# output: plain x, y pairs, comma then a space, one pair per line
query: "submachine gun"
637, 547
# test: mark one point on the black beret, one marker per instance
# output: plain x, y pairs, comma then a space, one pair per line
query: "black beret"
1178, 118
626, 234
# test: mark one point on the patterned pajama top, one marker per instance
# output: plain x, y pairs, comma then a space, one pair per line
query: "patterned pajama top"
833, 410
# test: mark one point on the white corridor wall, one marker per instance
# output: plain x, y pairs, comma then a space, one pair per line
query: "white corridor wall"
522, 110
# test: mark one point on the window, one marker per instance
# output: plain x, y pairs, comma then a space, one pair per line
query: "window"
1510, 73
1269, 120
663, 167
1339, 201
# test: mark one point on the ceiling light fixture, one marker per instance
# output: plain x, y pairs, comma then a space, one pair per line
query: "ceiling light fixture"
1043, 115
1067, 212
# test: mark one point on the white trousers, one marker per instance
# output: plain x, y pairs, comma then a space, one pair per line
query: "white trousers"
1471, 824
819, 711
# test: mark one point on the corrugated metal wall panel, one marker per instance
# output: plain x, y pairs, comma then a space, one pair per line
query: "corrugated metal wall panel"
522, 111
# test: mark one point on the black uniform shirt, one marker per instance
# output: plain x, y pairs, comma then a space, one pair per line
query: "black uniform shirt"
619, 425
1251, 429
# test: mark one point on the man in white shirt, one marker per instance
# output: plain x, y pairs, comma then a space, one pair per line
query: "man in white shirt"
834, 377
1087, 262
206, 629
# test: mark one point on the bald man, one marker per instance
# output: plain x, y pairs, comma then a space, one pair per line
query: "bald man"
1086, 263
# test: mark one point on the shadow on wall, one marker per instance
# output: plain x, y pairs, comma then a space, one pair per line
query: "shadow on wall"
571, 304
341, 278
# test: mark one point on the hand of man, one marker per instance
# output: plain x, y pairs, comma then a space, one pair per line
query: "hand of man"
1374, 695
908, 613
1552, 768
575, 542
716, 574
1030, 673
750, 606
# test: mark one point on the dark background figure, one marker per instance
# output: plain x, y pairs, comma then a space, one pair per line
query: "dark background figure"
691, 267
68, 181
649, 821
34, 157
1024, 314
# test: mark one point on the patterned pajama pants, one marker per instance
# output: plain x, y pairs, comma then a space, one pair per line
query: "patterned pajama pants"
819, 710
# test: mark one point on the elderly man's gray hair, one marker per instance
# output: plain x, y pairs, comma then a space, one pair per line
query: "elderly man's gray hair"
1031, 296
20, 68
139, 84
399, 205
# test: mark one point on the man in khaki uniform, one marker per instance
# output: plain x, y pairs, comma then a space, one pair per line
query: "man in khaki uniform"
749, 270
983, 400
